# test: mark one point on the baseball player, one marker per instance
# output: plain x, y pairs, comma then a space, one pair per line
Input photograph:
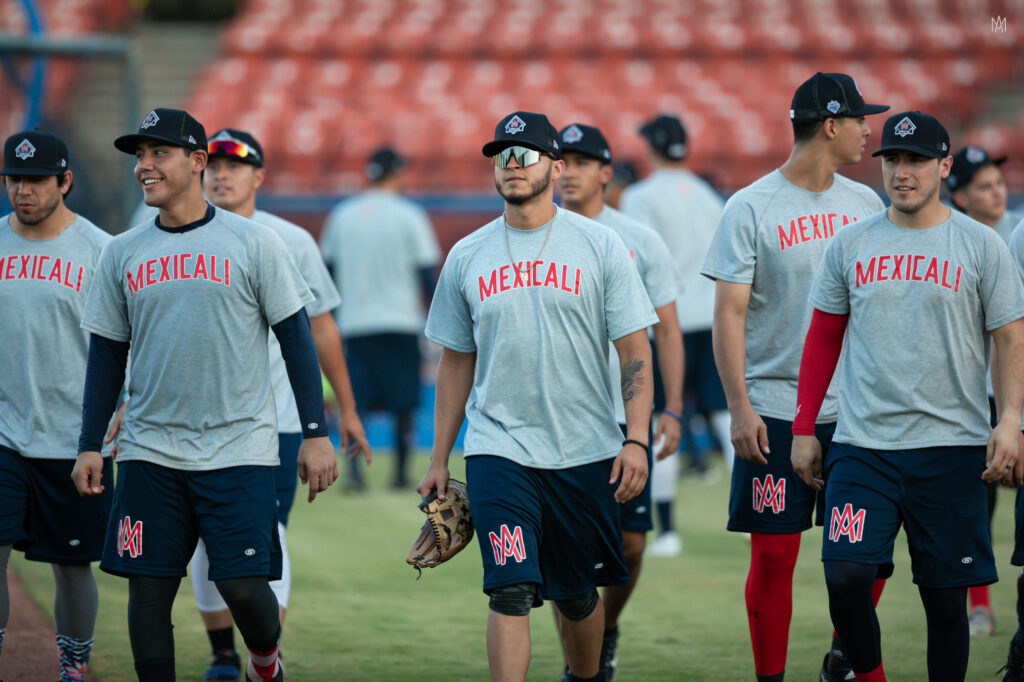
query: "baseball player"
382, 252
916, 291
524, 310
588, 171
47, 259
233, 174
976, 187
1014, 670
762, 258
684, 210
194, 293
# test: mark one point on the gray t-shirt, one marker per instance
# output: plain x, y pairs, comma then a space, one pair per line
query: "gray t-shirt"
1004, 227
196, 307
653, 262
301, 247
541, 394
920, 303
376, 243
772, 236
684, 210
43, 288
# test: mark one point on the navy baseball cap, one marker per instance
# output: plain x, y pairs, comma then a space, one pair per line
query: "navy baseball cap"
34, 152
585, 140
666, 135
966, 163
172, 126
526, 129
913, 131
830, 95
382, 163
236, 144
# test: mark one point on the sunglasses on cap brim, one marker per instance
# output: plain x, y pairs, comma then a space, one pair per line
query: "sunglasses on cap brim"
524, 156
234, 148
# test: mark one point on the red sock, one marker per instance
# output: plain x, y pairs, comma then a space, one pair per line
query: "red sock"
876, 675
978, 596
265, 664
769, 597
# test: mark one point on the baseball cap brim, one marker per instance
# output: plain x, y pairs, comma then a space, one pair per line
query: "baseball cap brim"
930, 153
31, 171
869, 109
494, 146
130, 143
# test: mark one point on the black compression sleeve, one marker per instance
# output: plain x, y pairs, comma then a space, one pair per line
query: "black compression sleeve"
299, 355
104, 377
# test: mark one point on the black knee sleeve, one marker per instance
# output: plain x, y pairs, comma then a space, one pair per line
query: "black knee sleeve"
578, 609
254, 608
513, 600
149, 616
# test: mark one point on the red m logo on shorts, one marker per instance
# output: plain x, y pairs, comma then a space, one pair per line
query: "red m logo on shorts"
129, 537
507, 544
770, 493
847, 523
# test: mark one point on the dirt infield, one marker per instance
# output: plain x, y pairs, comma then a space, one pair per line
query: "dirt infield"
30, 648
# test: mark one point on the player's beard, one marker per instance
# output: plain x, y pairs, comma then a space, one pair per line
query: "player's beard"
912, 207
44, 211
535, 189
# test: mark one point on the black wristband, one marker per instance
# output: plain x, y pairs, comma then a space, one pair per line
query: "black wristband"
645, 446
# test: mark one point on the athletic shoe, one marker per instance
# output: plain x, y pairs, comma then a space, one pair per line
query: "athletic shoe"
609, 661
1013, 671
666, 544
566, 676
225, 666
981, 622
835, 668
252, 676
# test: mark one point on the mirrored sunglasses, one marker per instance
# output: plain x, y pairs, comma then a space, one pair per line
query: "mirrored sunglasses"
234, 148
524, 156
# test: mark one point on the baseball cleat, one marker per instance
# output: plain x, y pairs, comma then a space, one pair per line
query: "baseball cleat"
609, 661
225, 666
981, 622
1013, 671
252, 676
835, 668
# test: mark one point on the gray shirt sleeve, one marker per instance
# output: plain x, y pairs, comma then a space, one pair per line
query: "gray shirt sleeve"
626, 305
279, 287
732, 255
450, 322
830, 292
106, 310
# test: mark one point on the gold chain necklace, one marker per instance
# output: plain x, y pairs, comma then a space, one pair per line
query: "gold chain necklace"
508, 248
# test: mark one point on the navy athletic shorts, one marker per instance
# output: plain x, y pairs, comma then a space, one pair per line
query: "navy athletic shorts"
936, 494
42, 514
160, 513
286, 474
384, 370
635, 516
1018, 536
556, 528
772, 498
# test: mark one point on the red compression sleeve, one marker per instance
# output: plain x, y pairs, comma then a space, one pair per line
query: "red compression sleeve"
822, 347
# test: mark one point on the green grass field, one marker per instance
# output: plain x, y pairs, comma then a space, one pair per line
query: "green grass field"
358, 612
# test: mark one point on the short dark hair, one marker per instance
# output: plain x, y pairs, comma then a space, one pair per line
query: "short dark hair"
806, 130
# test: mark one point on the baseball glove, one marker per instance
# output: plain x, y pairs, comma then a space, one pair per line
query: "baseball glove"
448, 528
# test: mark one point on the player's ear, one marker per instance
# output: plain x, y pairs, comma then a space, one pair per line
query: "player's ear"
945, 164
557, 168
199, 160
64, 181
606, 173
258, 175
830, 126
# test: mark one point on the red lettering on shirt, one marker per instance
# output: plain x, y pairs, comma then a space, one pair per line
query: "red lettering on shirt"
890, 267
811, 227
525, 275
174, 268
36, 267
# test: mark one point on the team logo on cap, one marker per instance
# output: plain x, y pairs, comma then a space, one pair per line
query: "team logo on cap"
975, 154
905, 127
149, 121
572, 134
25, 150
515, 125
832, 106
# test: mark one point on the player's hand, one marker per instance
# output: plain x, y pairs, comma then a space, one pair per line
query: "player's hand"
114, 430
318, 464
805, 455
749, 435
1002, 453
631, 465
353, 437
668, 433
435, 478
88, 473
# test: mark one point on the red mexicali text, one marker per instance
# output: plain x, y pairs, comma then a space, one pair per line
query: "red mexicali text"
810, 227
34, 266
176, 267
535, 274
908, 267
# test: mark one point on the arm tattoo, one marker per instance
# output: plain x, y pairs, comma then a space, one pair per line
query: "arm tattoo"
631, 378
